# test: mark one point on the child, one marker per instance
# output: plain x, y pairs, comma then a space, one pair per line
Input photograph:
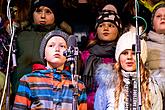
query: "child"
48, 86
44, 18
115, 84
156, 47
101, 49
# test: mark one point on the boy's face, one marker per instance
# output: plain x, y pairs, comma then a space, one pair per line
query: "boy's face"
43, 15
159, 21
54, 52
107, 31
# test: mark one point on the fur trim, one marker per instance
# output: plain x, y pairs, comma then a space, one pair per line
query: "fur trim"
105, 75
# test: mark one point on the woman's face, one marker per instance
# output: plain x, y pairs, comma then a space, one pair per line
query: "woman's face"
128, 60
159, 21
54, 52
43, 15
107, 31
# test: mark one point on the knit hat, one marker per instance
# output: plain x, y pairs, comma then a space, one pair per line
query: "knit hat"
52, 4
55, 33
109, 16
126, 41
155, 9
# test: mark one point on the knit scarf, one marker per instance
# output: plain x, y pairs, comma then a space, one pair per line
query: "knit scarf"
97, 53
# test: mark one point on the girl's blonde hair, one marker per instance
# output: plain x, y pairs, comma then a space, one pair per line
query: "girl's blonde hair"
144, 86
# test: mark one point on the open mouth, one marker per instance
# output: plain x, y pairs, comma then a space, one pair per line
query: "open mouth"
42, 22
56, 55
105, 34
129, 63
163, 22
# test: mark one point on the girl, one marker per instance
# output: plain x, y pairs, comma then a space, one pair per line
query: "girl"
118, 86
100, 50
156, 47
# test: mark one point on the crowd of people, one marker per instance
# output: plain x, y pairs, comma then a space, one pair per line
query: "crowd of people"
48, 72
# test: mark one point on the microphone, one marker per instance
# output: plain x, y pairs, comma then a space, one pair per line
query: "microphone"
72, 41
72, 53
15, 26
73, 49
1, 22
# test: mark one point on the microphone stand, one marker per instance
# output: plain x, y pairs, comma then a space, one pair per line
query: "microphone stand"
130, 92
72, 57
6, 88
138, 51
11, 53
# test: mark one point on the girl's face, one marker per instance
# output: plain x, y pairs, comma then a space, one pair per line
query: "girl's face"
54, 52
128, 60
107, 31
159, 21
43, 15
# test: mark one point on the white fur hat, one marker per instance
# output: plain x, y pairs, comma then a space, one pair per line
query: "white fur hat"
126, 41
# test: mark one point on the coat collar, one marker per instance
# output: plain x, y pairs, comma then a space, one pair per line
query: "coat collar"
57, 75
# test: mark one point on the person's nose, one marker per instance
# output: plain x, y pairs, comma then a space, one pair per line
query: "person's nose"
106, 27
57, 49
129, 56
43, 14
163, 17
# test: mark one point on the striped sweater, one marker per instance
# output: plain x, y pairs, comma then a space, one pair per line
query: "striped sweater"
48, 90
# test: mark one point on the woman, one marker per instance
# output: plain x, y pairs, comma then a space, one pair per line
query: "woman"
48, 87
118, 87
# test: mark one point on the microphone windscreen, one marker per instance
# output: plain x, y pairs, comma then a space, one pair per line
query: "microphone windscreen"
72, 41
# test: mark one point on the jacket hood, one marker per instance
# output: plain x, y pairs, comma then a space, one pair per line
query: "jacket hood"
105, 75
38, 66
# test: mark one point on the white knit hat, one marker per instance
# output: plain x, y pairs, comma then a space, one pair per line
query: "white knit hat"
126, 41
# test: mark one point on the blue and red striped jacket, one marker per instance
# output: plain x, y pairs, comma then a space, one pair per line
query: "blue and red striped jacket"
47, 89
